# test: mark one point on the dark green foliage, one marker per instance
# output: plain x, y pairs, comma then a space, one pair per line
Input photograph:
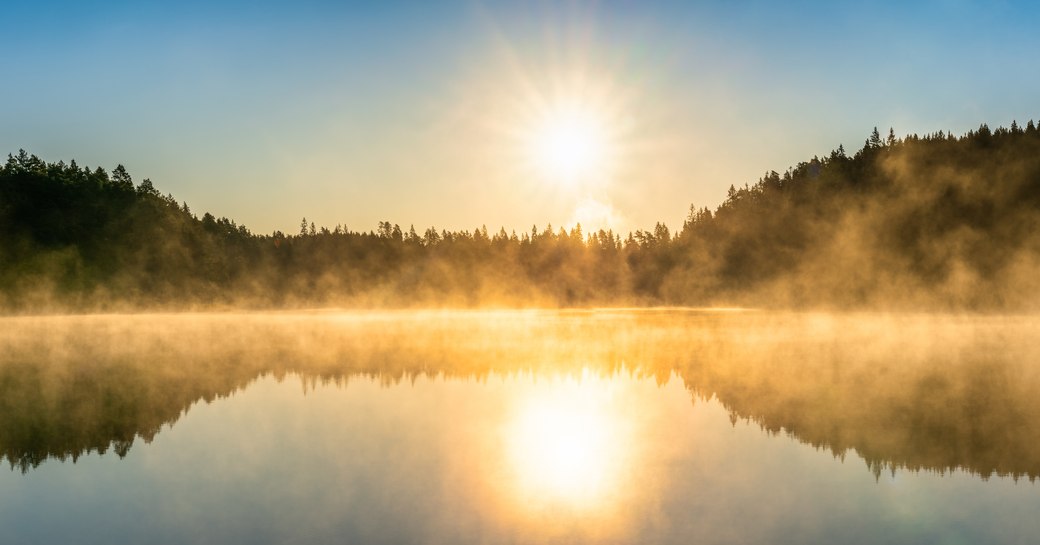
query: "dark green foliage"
78, 237
933, 221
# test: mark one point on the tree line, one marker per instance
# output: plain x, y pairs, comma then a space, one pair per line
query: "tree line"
933, 221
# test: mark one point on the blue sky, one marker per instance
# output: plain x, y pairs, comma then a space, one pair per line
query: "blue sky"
409, 111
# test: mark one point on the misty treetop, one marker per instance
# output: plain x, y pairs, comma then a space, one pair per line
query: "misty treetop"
934, 221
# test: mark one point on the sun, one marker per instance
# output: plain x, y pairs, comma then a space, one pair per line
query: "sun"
558, 133
569, 143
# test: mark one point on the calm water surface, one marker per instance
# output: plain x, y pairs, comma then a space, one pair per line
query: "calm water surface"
519, 427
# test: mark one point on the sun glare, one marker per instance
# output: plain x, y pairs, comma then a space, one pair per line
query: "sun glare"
569, 145
561, 134
564, 446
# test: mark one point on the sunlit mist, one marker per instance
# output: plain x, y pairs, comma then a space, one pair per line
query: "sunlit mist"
566, 444
606, 426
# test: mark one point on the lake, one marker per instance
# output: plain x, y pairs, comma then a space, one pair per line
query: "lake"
591, 426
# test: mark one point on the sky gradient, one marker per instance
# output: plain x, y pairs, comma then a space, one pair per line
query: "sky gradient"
420, 112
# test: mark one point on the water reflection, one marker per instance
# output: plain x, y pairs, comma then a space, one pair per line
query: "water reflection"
567, 443
915, 392
524, 427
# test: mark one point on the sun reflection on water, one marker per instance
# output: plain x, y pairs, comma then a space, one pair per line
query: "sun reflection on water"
567, 445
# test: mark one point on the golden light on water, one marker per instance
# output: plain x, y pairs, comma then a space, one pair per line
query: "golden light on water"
566, 446
563, 449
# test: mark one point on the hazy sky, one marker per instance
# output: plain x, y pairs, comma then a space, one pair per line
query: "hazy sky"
426, 112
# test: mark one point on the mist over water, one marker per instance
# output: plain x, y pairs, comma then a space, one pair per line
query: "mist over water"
493, 287
525, 426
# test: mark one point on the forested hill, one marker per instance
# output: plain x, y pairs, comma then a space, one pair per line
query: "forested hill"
933, 222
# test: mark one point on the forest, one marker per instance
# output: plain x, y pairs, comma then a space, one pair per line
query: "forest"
932, 222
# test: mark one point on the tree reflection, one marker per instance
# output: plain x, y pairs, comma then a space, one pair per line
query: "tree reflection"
911, 392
